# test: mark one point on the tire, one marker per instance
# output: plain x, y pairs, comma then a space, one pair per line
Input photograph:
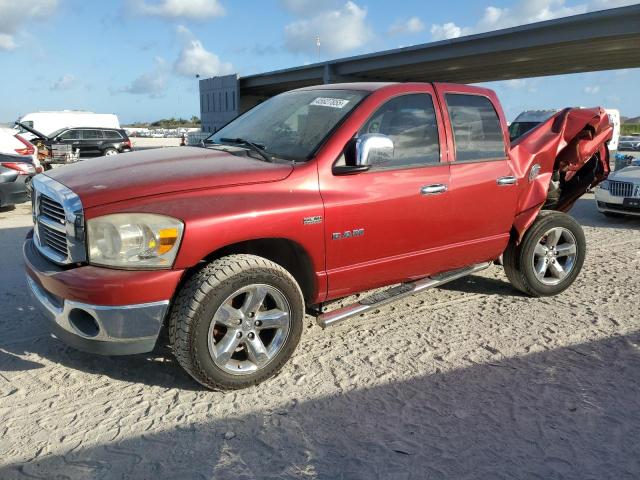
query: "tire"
215, 329
109, 151
541, 265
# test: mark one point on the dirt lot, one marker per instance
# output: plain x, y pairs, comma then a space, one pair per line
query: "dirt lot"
468, 381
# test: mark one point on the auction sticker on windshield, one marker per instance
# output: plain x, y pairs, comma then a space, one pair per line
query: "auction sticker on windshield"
330, 102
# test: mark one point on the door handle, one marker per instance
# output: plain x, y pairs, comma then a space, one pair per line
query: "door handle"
433, 189
505, 181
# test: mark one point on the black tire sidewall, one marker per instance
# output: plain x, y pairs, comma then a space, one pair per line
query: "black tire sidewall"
529, 243
217, 294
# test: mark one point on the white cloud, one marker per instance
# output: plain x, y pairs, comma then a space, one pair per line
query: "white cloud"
194, 59
152, 83
412, 25
192, 9
604, 4
7, 42
306, 7
340, 30
592, 89
65, 82
14, 13
521, 13
516, 83
447, 31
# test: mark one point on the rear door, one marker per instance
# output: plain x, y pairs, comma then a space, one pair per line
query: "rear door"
91, 142
483, 190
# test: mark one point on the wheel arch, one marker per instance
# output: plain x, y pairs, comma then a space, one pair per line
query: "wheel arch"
287, 253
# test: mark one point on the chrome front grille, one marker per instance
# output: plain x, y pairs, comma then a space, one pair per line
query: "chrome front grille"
620, 189
52, 209
58, 220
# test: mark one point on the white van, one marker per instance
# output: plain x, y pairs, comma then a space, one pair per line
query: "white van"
49, 122
614, 121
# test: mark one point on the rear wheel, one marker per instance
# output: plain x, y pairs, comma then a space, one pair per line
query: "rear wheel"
110, 151
236, 322
549, 257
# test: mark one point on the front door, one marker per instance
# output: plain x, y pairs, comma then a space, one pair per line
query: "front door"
390, 223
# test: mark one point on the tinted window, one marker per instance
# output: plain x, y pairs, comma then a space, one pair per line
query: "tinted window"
410, 121
112, 134
91, 134
70, 135
517, 129
476, 128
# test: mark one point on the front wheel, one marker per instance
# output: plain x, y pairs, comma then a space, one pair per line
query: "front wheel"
236, 322
549, 257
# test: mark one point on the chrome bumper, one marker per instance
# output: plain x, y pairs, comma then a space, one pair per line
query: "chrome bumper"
106, 330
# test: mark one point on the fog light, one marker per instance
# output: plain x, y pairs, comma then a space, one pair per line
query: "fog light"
84, 322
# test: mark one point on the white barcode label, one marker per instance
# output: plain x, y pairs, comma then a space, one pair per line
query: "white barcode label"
330, 102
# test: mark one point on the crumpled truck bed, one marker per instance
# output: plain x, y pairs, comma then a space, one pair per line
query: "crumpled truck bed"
557, 161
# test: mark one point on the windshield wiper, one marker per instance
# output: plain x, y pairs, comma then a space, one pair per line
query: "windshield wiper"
256, 147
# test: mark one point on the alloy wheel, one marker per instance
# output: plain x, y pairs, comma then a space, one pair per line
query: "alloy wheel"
249, 329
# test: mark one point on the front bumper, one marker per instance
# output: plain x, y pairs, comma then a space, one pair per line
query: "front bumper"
13, 193
610, 203
96, 328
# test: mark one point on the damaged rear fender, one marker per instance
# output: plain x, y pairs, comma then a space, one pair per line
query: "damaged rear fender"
558, 161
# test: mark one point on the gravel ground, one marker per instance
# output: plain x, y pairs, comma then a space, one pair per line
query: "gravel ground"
468, 381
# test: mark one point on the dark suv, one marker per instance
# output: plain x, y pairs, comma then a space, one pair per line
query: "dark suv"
93, 142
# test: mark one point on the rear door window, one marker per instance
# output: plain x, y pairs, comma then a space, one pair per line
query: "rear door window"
91, 135
476, 128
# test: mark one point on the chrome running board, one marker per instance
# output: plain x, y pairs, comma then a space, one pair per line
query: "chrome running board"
392, 294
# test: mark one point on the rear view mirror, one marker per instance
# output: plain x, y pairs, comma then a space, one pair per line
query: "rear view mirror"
373, 148
366, 150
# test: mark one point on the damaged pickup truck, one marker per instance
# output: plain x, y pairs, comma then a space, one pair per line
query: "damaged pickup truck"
312, 196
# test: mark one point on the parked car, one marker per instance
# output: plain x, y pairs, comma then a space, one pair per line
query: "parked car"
49, 122
16, 172
82, 142
620, 194
314, 195
11, 143
93, 142
629, 143
528, 120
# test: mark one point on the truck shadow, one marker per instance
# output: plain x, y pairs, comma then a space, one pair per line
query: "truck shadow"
483, 285
565, 413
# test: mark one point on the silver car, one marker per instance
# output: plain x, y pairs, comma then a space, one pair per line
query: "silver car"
620, 193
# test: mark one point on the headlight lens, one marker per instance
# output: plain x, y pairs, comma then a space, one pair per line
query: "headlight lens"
604, 185
134, 240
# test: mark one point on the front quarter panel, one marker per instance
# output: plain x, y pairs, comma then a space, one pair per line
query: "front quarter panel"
219, 217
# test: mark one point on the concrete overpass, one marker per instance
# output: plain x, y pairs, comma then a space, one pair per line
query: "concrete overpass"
603, 40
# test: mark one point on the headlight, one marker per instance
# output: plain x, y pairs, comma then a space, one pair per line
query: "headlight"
134, 240
604, 185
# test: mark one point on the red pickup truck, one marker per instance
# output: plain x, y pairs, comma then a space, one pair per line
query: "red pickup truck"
314, 195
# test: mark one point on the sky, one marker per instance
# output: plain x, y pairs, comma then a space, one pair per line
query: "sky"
139, 58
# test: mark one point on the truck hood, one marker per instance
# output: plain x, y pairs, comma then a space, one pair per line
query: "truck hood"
159, 171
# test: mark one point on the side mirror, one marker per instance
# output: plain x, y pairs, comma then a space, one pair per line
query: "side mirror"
369, 149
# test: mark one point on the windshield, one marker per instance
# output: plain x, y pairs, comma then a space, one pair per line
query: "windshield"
294, 124
57, 132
